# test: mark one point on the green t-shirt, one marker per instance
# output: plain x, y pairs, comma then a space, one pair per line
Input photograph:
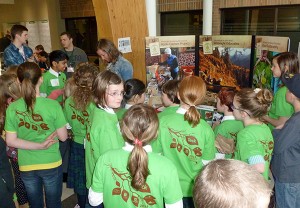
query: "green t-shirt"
185, 146
120, 113
77, 119
47, 117
229, 129
103, 135
280, 107
52, 82
255, 140
112, 178
168, 110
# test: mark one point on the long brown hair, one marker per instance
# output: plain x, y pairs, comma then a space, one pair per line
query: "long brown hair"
192, 91
83, 79
9, 89
139, 127
110, 48
287, 60
29, 74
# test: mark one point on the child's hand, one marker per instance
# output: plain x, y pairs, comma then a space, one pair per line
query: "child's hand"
50, 140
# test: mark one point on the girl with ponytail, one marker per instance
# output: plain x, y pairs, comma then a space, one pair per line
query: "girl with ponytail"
33, 125
186, 139
134, 176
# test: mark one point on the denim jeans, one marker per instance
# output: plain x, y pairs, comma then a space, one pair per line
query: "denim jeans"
287, 195
50, 181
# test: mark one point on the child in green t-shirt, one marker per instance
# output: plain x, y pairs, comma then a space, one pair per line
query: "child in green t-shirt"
281, 110
54, 78
134, 94
33, 125
184, 138
228, 128
133, 176
78, 108
255, 142
103, 132
169, 97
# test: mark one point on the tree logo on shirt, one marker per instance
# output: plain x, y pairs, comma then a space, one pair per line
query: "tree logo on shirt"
268, 147
123, 188
185, 143
31, 121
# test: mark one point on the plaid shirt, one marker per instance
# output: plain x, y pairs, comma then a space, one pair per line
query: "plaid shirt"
12, 56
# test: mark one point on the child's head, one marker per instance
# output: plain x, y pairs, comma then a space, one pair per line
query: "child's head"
192, 91
230, 183
224, 100
292, 81
108, 90
139, 127
39, 48
83, 79
58, 60
169, 93
254, 103
107, 51
9, 91
134, 91
285, 62
30, 76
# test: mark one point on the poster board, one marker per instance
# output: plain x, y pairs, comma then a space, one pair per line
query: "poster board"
225, 61
265, 48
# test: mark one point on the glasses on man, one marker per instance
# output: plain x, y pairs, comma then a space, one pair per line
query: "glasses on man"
115, 94
234, 108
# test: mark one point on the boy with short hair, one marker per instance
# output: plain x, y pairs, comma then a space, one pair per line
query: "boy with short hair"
54, 79
18, 52
285, 164
230, 183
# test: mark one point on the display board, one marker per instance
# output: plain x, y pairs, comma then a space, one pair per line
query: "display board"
225, 61
265, 48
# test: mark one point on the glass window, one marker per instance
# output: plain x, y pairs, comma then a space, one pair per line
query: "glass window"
84, 32
181, 23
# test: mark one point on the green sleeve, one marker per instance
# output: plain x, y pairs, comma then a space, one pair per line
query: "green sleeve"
209, 147
97, 180
247, 145
10, 125
60, 117
172, 188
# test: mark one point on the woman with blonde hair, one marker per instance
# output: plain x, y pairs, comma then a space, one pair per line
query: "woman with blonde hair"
185, 138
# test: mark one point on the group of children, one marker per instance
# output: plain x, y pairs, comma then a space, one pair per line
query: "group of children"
114, 160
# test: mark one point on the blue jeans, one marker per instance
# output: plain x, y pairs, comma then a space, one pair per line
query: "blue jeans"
287, 195
50, 180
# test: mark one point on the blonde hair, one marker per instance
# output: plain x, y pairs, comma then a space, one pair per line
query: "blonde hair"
192, 91
140, 124
256, 102
9, 89
100, 84
229, 184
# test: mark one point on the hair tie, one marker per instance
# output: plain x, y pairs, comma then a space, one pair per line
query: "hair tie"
192, 105
256, 90
138, 142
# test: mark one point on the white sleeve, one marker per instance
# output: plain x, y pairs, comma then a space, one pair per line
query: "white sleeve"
43, 94
205, 162
178, 204
95, 198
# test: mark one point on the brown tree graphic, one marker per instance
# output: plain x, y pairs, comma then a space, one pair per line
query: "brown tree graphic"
187, 142
31, 121
268, 148
123, 180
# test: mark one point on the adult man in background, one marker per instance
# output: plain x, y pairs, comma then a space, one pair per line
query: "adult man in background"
18, 52
75, 54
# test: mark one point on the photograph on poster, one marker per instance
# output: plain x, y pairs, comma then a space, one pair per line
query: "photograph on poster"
228, 66
266, 47
167, 58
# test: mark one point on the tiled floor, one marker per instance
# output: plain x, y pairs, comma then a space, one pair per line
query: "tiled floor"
66, 192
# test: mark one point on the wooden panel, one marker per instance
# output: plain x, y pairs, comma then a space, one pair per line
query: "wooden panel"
126, 18
178, 5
